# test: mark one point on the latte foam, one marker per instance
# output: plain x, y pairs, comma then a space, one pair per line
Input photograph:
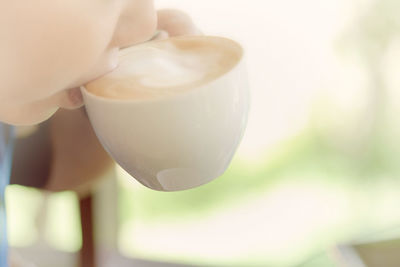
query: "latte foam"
166, 67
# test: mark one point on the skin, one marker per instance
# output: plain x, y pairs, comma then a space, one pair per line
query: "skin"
66, 43
48, 49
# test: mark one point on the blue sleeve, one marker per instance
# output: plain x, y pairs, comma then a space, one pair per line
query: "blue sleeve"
6, 147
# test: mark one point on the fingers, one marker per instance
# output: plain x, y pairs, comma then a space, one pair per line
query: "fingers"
176, 23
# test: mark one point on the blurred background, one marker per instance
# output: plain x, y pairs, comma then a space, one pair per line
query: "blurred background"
318, 165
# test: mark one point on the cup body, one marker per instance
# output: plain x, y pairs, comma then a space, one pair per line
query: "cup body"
176, 142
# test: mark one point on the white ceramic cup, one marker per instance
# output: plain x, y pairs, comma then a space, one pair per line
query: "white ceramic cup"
179, 141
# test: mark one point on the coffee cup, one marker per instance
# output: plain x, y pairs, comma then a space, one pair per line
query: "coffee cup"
178, 129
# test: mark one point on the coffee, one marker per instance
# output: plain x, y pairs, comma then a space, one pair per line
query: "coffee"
167, 67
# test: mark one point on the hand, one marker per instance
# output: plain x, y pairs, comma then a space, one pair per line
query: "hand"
71, 157
173, 22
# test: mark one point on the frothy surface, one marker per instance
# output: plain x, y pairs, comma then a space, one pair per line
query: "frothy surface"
159, 68
167, 67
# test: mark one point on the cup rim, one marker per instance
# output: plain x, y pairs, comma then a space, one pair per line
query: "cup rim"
168, 97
